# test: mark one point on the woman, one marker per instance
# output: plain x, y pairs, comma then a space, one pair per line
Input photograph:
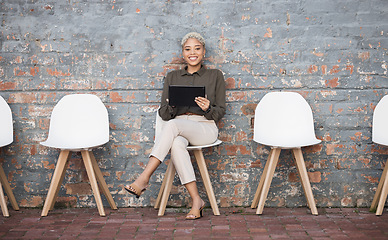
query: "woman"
187, 125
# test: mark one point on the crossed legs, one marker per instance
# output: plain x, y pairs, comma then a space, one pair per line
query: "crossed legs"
142, 181
176, 135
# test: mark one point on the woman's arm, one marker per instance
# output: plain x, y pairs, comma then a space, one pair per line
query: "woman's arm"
217, 109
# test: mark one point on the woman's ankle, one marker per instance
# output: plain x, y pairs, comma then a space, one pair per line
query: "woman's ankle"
197, 203
141, 182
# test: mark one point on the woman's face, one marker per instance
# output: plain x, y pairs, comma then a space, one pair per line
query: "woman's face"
193, 52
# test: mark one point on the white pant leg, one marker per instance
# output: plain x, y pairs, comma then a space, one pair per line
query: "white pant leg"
180, 157
196, 130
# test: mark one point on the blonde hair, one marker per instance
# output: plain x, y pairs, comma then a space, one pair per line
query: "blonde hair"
193, 35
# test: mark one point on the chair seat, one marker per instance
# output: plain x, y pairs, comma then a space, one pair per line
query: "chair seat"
191, 147
70, 147
382, 143
288, 145
3, 144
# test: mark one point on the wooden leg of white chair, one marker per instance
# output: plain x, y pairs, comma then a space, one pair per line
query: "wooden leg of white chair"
167, 189
376, 198
383, 197
63, 154
101, 180
305, 179
3, 203
55, 181
8, 189
255, 201
272, 162
158, 199
93, 182
206, 181
300, 174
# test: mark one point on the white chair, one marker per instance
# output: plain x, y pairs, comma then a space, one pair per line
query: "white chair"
165, 188
283, 120
6, 138
380, 136
79, 122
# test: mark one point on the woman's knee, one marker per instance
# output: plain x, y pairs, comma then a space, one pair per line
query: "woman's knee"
179, 143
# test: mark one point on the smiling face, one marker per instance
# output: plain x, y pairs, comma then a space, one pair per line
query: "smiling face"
193, 52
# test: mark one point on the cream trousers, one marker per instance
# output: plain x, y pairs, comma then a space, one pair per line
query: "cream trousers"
177, 134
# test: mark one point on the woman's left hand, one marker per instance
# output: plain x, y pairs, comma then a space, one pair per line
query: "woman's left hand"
203, 103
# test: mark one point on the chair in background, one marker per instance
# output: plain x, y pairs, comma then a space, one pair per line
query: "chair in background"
79, 123
380, 136
165, 188
6, 138
283, 120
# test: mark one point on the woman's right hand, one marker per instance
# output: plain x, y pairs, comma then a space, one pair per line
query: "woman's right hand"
203, 103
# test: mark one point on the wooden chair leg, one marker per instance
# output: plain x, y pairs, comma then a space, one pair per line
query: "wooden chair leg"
158, 199
93, 181
65, 154
383, 197
272, 162
170, 174
302, 183
206, 180
55, 181
3, 203
255, 201
376, 198
8, 189
101, 180
305, 179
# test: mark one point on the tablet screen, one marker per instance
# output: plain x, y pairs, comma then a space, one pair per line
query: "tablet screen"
184, 95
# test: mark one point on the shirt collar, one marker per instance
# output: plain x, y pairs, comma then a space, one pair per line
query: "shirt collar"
200, 72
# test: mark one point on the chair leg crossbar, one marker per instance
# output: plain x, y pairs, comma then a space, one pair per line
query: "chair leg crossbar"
168, 179
7, 188
381, 193
94, 174
266, 179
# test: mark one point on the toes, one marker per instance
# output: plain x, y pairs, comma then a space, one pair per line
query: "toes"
130, 188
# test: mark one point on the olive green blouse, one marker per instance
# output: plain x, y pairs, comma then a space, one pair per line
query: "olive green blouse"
214, 83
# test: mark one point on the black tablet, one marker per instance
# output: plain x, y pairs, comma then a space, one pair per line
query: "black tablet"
184, 95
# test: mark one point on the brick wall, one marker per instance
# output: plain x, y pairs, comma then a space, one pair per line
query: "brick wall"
332, 52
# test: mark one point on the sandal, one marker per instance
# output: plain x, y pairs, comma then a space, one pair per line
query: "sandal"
135, 190
197, 213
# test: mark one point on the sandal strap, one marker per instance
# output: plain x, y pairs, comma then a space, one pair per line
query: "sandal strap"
194, 212
136, 189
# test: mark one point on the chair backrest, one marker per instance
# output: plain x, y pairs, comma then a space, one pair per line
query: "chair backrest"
284, 119
78, 121
380, 122
6, 126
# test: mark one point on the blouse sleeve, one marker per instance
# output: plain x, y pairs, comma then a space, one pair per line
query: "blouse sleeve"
217, 109
166, 112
